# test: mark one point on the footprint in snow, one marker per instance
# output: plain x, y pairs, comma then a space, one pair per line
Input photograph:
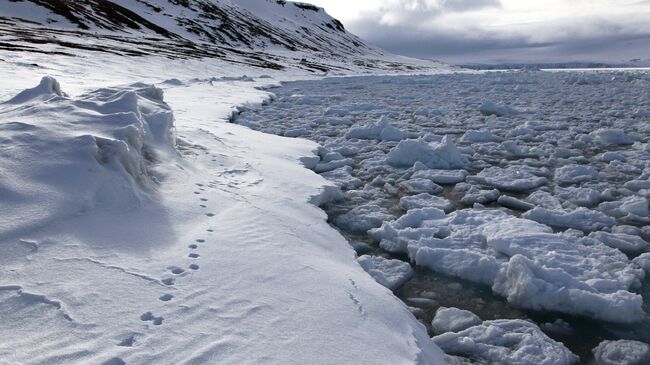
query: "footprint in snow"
166, 297
193, 255
194, 267
176, 270
148, 316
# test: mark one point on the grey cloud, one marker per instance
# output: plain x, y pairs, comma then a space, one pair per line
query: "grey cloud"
580, 39
467, 5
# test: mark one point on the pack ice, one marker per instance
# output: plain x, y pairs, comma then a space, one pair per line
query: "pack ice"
542, 197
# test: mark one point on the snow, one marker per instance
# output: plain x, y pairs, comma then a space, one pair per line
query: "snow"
622, 352
453, 320
389, 273
506, 342
142, 228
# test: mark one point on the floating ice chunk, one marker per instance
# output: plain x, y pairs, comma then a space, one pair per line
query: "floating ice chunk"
462, 263
491, 108
332, 165
507, 342
512, 178
636, 185
389, 273
514, 203
342, 178
643, 261
612, 156
628, 244
622, 352
363, 218
443, 177
612, 137
443, 155
633, 205
416, 186
582, 197
481, 196
545, 200
381, 130
534, 285
479, 136
574, 174
337, 111
453, 320
584, 219
389, 233
296, 132
425, 200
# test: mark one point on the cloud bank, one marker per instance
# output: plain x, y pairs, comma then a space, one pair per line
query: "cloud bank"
484, 31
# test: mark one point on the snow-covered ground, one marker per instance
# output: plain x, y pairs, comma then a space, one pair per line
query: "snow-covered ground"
532, 184
140, 227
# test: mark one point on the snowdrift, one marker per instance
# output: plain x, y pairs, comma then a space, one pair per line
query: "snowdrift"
67, 155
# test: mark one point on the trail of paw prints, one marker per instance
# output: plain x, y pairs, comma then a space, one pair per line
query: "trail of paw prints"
176, 272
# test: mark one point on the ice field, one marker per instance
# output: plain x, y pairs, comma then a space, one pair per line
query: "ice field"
519, 195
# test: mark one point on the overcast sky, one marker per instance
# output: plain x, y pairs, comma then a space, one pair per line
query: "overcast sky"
479, 31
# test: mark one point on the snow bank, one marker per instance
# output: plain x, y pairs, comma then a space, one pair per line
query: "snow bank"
97, 150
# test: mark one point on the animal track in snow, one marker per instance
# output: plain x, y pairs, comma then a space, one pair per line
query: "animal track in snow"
148, 316
168, 281
166, 297
127, 342
176, 270
194, 266
210, 214
114, 361
194, 255
193, 246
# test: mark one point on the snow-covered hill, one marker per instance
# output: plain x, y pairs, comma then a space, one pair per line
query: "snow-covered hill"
264, 33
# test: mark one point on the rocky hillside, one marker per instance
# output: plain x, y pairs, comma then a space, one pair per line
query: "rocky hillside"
267, 33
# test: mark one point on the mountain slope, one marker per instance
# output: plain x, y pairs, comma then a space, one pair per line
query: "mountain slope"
273, 32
